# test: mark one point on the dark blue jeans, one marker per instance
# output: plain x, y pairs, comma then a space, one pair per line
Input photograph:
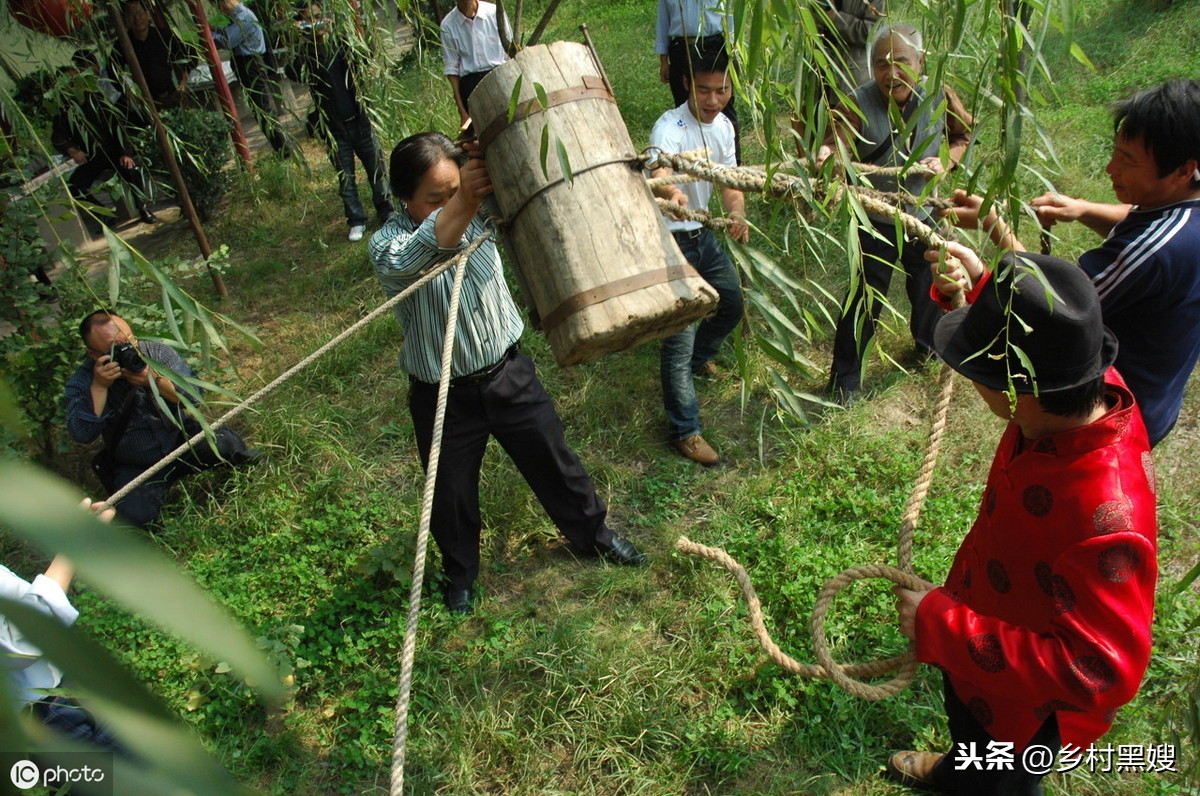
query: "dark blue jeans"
142, 506
351, 138
688, 350
261, 87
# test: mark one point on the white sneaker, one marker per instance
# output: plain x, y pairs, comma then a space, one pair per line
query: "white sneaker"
356, 232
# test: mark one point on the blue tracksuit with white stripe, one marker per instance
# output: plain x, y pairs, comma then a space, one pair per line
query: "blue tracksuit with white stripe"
1148, 276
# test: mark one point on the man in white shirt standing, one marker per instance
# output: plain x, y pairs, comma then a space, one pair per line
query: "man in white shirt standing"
699, 124
690, 32
471, 47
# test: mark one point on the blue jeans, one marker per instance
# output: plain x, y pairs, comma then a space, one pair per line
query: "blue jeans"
355, 137
688, 350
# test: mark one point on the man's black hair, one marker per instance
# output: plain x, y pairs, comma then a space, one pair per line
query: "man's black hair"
97, 318
415, 155
1075, 401
713, 61
1167, 120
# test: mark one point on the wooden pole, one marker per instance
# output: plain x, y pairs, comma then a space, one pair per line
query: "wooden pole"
541, 26
501, 28
222, 85
164, 144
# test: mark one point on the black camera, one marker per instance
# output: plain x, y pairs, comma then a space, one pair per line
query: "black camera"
125, 355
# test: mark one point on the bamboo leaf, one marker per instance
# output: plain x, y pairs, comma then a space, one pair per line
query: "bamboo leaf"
786, 396
544, 152
1079, 55
45, 510
1187, 580
514, 98
564, 162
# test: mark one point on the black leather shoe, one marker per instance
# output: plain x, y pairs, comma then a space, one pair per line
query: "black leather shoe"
146, 216
624, 553
458, 601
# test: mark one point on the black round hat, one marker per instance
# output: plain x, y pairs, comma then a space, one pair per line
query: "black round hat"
1036, 326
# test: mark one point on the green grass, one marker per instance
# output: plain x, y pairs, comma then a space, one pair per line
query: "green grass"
575, 677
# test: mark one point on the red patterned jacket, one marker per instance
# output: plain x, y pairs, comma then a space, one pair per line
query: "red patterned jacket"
1049, 602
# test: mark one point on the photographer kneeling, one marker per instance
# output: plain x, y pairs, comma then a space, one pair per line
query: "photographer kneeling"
110, 395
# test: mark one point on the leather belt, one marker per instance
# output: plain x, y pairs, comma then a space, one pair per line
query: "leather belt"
484, 375
481, 376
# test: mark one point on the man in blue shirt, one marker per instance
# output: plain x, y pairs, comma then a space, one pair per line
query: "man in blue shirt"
1147, 271
110, 395
243, 36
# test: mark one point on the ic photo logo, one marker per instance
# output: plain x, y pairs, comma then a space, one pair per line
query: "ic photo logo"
91, 768
24, 774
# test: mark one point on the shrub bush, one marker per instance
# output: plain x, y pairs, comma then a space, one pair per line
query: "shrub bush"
202, 147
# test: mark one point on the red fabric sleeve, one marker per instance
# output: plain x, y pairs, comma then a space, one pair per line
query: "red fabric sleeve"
972, 294
1098, 646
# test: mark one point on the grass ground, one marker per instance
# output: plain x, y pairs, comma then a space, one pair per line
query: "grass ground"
575, 677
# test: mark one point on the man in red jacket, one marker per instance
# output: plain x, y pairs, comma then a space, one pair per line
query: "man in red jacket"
1042, 629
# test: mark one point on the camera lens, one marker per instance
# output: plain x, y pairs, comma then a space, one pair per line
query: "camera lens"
128, 358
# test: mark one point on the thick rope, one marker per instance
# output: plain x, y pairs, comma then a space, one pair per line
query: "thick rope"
752, 179
400, 740
153, 469
844, 675
670, 179
681, 213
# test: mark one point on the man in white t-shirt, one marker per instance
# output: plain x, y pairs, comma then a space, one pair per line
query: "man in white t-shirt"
699, 124
471, 47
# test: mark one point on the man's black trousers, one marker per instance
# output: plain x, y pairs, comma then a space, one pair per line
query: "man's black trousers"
513, 407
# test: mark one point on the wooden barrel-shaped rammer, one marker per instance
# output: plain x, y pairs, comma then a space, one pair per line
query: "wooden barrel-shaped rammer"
593, 253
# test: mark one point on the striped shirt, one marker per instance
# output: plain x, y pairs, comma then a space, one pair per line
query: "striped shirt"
488, 321
1147, 274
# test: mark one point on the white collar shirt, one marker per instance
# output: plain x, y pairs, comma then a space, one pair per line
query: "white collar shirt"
472, 45
28, 671
678, 131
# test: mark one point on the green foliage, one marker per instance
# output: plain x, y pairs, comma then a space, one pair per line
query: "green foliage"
46, 512
574, 676
40, 352
200, 139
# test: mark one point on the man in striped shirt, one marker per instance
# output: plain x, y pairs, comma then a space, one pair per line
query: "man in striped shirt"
494, 389
1147, 271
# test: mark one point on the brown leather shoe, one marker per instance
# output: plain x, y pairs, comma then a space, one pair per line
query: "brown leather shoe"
713, 371
696, 449
914, 769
